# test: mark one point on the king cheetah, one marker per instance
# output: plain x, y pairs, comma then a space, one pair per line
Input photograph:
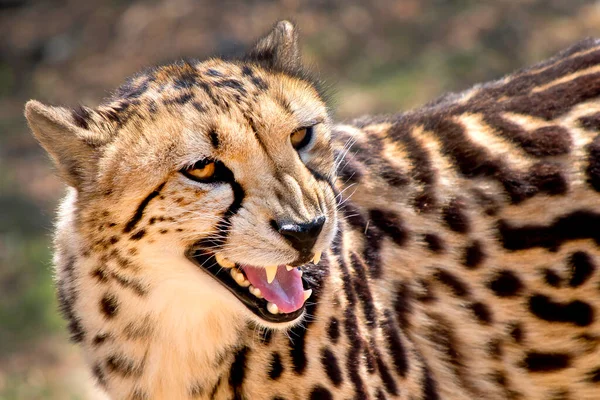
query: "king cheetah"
223, 238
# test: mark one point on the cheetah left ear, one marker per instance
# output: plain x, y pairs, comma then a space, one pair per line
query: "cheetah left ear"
279, 49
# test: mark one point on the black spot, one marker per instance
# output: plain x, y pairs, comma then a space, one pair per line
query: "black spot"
213, 72
474, 255
434, 243
516, 332
109, 305
139, 212
237, 373
99, 375
320, 393
582, 268
454, 216
494, 349
551, 277
505, 284
457, 287
100, 338
390, 224
395, 345
214, 139
546, 362
482, 312
124, 366
573, 226
330, 363
333, 330
576, 312
138, 235
276, 367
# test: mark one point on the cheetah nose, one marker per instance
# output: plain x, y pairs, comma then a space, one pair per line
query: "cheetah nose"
302, 236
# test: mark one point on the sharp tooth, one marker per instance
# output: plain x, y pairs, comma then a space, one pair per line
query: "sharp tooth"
234, 273
223, 262
317, 257
272, 307
307, 294
271, 272
289, 267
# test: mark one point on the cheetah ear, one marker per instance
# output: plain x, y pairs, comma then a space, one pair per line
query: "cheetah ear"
279, 49
64, 135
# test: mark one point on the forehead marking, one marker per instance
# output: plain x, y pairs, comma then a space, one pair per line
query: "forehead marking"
139, 212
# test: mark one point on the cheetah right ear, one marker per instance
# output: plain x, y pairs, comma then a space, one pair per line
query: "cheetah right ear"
279, 49
63, 134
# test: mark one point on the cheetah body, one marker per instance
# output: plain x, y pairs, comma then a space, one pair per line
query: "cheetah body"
459, 262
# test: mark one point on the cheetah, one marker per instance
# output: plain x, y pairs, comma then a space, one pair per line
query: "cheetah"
223, 238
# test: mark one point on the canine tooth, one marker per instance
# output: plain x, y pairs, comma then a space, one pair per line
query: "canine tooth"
271, 272
223, 262
317, 257
272, 307
289, 267
307, 294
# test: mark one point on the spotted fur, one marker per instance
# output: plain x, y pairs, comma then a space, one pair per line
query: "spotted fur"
461, 247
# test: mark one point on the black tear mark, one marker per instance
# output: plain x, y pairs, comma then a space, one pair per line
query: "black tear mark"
139, 212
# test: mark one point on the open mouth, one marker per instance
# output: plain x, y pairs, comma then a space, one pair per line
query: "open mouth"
275, 293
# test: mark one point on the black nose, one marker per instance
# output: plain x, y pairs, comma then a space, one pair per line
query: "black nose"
302, 236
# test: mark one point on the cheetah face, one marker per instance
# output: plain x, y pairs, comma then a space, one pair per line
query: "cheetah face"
219, 175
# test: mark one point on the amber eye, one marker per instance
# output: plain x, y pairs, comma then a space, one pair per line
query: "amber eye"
202, 171
301, 138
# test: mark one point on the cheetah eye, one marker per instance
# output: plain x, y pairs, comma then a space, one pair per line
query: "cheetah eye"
302, 137
201, 171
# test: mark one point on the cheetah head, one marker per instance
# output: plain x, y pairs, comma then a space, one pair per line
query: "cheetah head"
214, 179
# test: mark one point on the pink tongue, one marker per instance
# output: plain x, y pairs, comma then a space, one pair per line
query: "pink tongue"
285, 291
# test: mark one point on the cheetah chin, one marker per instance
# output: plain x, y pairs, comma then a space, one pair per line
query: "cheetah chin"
275, 293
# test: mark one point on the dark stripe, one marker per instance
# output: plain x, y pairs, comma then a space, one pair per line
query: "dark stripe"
576, 225
403, 304
394, 344
314, 277
422, 171
388, 380
353, 358
237, 372
361, 287
546, 362
333, 330
593, 169
139, 212
542, 142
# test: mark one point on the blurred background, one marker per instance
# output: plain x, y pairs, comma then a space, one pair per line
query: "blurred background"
380, 56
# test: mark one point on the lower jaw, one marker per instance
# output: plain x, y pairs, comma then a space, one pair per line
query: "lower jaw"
258, 307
